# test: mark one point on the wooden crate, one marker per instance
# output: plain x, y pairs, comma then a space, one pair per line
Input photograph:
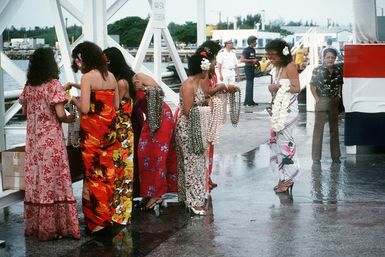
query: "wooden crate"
12, 161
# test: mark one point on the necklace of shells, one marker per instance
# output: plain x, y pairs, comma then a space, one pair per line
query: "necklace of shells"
205, 117
216, 120
154, 107
280, 105
235, 107
73, 137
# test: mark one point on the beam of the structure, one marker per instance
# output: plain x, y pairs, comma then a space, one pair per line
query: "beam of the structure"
157, 55
174, 55
115, 7
146, 39
170, 95
77, 41
2, 105
201, 22
17, 74
61, 33
8, 11
72, 10
95, 23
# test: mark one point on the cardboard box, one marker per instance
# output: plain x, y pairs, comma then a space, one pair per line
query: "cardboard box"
12, 161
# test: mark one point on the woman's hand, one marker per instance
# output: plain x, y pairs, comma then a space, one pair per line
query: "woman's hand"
67, 86
75, 100
232, 88
269, 110
274, 87
139, 85
70, 118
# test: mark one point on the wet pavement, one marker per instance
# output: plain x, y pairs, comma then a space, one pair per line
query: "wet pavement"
334, 210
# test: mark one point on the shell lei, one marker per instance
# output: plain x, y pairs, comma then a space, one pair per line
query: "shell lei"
216, 120
223, 98
280, 108
195, 131
73, 136
235, 107
154, 107
205, 116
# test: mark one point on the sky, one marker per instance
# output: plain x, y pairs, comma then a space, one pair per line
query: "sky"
180, 11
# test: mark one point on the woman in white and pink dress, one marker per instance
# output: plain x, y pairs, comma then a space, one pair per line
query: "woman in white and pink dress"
284, 113
49, 204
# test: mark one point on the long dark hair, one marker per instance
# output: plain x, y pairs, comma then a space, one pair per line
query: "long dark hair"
278, 45
91, 56
194, 64
42, 67
119, 67
210, 47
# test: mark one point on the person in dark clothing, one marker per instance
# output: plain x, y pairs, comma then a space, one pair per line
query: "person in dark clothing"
248, 57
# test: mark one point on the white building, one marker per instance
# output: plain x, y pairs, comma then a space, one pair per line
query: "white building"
339, 35
27, 43
239, 37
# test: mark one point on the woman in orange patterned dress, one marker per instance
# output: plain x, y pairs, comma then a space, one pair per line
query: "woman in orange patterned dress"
101, 155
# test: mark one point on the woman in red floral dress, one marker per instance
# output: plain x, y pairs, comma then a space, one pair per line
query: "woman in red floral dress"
156, 150
102, 205
49, 204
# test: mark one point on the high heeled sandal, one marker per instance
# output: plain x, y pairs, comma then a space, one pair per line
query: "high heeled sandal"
201, 212
142, 202
151, 205
279, 182
212, 184
285, 186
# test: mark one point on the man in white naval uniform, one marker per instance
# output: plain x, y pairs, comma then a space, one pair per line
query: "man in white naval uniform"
227, 64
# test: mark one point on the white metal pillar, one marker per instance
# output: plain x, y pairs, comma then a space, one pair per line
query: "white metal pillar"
201, 22
2, 105
95, 22
157, 27
7, 10
61, 32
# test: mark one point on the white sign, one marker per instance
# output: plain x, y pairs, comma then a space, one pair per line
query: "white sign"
158, 10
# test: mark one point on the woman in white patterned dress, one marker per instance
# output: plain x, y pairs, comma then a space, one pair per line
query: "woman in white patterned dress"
191, 160
284, 112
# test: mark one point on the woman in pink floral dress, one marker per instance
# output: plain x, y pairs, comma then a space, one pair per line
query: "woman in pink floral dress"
49, 204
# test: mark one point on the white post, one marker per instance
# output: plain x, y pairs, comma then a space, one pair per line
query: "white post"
313, 44
61, 33
157, 55
2, 106
95, 25
146, 39
201, 22
8, 12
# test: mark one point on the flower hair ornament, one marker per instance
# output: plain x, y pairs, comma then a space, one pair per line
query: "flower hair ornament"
285, 51
205, 64
203, 53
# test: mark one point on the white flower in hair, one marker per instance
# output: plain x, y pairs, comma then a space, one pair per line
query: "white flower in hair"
285, 51
205, 64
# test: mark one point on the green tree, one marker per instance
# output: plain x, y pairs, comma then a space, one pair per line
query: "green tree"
186, 33
250, 21
130, 30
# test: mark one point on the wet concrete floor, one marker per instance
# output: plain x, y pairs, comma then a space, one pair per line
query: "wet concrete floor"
334, 210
